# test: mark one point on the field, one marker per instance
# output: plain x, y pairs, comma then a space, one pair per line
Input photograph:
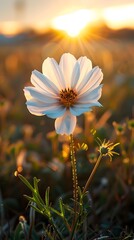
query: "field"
30, 146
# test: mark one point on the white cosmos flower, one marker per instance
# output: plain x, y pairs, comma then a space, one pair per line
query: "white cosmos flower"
64, 91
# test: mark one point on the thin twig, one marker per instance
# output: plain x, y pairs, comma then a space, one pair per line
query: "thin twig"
92, 173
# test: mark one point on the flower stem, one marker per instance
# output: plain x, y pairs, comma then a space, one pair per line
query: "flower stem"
55, 227
92, 174
74, 172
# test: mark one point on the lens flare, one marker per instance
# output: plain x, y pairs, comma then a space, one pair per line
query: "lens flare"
74, 22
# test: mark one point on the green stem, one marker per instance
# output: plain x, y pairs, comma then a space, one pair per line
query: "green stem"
67, 224
92, 174
74, 171
75, 185
73, 229
77, 219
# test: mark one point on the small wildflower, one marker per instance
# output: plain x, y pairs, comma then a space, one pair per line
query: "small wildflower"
119, 128
64, 91
106, 148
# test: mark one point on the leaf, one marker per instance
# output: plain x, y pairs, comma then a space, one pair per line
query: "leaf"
61, 207
31, 199
47, 196
36, 209
67, 207
36, 191
18, 232
20, 235
36, 181
24, 180
37, 200
55, 211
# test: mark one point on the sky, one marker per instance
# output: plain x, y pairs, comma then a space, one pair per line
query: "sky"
42, 12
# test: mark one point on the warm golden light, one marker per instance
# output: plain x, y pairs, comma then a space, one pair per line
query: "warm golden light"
74, 22
10, 28
119, 16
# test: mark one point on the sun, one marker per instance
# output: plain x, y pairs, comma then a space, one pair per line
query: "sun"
72, 23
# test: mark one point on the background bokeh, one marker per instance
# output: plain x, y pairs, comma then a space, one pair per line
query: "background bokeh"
29, 144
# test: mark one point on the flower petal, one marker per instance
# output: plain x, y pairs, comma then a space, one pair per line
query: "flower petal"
55, 112
36, 107
75, 75
34, 111
87, 104
52, 111
91, 80
79, 109
51, 70
67, 63
65, 124
33, 93
41, 82
38, 104
85, 67
27, 94
90, 96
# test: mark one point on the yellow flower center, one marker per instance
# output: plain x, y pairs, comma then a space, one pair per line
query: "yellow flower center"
104, 150
68, 97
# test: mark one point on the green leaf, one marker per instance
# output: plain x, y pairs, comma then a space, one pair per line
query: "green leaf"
37, 200
18, 235
55, 211
47, 196
24, 180
36, 181
36, 191
61, 207
31, 199
36, 209
67, 207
